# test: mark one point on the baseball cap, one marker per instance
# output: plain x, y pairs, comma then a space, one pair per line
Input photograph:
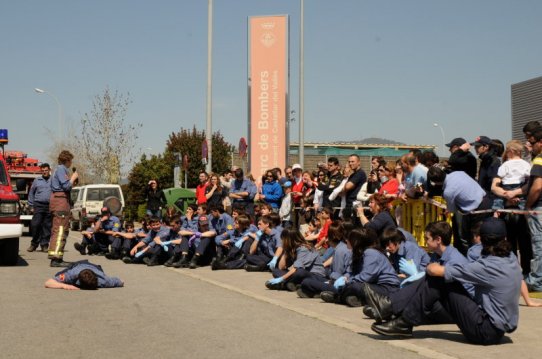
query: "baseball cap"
493, 227
459, 141
287, 184
203, 220
296, 166
105, 210
482, 141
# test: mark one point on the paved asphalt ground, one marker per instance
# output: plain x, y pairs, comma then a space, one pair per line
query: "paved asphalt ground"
166, 313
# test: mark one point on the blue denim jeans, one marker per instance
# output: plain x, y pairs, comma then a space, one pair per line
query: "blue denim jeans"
157, 213
534, 279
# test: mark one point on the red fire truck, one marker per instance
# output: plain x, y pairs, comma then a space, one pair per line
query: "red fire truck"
10, 225
22, 171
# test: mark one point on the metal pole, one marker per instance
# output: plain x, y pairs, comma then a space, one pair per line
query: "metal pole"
209, 130
443, 138
301, 150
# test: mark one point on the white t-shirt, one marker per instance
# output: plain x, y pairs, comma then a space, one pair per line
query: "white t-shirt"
514, 171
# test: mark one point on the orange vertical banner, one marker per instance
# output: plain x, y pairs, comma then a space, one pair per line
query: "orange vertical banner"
268, 93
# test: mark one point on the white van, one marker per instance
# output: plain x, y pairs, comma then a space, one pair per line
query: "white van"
90, 200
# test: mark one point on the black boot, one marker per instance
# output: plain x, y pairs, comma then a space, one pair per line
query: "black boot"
330, 297
352, 301
394, 328
380, 303
81, 248
218, 264
194, 262
171, 260
153, 261
113, 255
181, 263
59, 263
369, 312
255, 268
305, 294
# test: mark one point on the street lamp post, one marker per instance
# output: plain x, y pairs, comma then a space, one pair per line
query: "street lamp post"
40, 92
443, 138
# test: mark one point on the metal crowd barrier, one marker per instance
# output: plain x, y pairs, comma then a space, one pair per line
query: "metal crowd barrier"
415, 214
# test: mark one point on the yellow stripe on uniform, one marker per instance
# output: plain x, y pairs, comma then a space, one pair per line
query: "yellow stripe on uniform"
537, 161
59, 239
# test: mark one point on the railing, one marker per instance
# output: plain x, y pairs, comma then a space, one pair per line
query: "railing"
415, 214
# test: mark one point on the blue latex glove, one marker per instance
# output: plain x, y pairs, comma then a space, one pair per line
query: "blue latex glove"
239, 244
140, 253
412, 278
259, 234
273, 263
164, 245
340, 282
275, 280
408, 267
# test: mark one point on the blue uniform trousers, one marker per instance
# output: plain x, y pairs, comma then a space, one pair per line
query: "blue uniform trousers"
41, 225
471, 319
317, 284
299, 275
103, 241
356, 289
260, 259
400, 299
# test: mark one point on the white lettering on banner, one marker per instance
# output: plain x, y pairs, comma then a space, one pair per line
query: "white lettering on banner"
263, 121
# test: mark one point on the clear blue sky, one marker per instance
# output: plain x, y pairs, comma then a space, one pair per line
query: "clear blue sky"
372, 68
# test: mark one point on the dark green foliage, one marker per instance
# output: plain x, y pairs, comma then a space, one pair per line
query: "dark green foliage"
189, 142
161, 167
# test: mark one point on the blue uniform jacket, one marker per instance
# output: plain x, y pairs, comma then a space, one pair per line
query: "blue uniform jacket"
233, 235
190, 224
342, 261
461, 192
70, 274
163, 233
222, 224
452, 256
269, 243
309, 260
497, 283
375, 268
40, 191
474, 252
112, 224
245, 185
410, 250
60, 181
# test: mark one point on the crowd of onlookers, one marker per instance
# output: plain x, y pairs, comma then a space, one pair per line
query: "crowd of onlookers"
330, 233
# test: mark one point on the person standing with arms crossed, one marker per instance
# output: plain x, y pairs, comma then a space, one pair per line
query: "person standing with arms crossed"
59, 205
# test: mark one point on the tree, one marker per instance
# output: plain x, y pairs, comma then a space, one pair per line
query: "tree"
107, 142
189, 142
161, 167
156, 167
69, 143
